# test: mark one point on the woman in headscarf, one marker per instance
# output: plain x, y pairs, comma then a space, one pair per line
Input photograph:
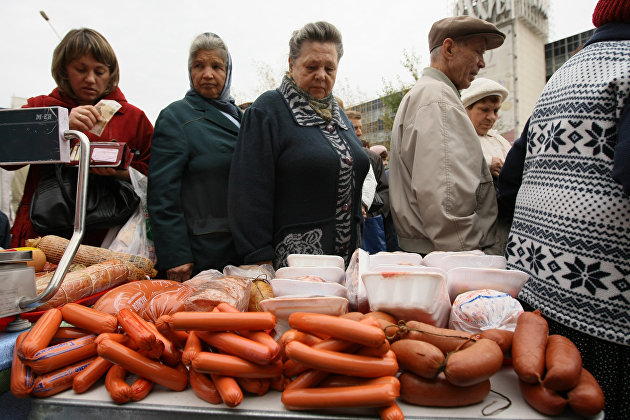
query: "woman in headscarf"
191, 149
298, 168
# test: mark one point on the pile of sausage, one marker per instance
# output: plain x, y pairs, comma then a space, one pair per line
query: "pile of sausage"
550, 372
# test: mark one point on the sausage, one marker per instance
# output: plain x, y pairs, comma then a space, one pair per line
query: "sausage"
119, 338
228, 388
563, 362
474, 364
587, 398
375, 351
502, 337
178, 338
58, 380
139, 331
355, 316
192, 349
279, 383
228, 365
234, 344
88, 376
342, 363
439, 392
542, 399
342, 380
120, 391
444, 339
254, 386
88, 319
374, 395
295, 335
22, 378
337, 327
382, 316
142, 366
293, 368
203, 387
528, 346
171, 354
419, 357
62, 354
40, 334
391, 412
222, 321
309, 379
68, 333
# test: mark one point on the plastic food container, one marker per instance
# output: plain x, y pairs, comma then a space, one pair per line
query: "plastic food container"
408, 296
395, 258
291, 287
330, 274
464, 279
447, 261
390, 268
307, 260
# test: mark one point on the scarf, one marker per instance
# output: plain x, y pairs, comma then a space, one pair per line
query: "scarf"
322, 107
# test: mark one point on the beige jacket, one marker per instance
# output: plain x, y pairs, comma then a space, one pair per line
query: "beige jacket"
441, 190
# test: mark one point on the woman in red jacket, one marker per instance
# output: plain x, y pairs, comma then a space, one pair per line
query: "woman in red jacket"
85, 69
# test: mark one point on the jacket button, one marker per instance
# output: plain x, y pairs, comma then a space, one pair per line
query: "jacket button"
330, 128
348, 160
345, 207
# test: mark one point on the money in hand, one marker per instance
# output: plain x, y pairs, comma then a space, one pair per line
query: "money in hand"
107, 108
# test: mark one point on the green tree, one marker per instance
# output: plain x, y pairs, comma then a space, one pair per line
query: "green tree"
393, 92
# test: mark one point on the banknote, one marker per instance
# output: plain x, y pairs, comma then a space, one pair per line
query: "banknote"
107, 108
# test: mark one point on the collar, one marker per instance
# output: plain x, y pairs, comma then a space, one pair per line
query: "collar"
210, 112
437, 74
613, 31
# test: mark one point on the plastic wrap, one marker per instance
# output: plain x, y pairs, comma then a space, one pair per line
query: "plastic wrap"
480, 310
134, 295
214, 290
166, 302
357, 294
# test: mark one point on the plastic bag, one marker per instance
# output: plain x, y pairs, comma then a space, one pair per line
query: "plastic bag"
134, 236
479, 310
357, 294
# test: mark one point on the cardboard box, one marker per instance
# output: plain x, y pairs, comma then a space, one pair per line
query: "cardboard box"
34, 135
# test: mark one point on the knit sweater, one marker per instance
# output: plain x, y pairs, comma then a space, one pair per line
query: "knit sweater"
571, 228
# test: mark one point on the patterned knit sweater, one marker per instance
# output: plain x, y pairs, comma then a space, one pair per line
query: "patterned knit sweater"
571, 228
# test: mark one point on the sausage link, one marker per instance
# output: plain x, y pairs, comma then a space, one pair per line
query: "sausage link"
337, 327
58, 380
528, 346
419, 357
171, 354
62, 354
118, 389
231, 393
139, 331
444, 339
178, 338
228, 365
88, 319
542, 399
374, 395
192, 348
439, 392
22, 378
587, 398
254, 386
502, 337
67, 334
474, 364
222, 321
563, 362
234, 344
88, 377
119, 338
391, 412
309, 379
40, 334
203, 387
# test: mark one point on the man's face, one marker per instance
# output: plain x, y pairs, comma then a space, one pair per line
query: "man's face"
467, 60
357, 127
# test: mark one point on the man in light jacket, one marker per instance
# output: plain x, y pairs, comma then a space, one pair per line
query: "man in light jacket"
441, 192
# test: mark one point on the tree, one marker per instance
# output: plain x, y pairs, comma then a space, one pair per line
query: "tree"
393, 94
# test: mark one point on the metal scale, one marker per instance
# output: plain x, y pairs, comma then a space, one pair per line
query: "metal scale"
17, 280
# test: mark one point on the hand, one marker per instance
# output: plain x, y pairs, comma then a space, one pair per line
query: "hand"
83, 118
180, 273
495, 166
364, 211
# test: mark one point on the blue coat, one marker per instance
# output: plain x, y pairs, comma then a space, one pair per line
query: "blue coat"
192, 147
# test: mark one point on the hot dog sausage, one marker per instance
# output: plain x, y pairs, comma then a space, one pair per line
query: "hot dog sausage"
88, 376
375, 351
68, 333
119, 338
293, 368
120, 391
22, 378
528, 346
342, 363
222, 321
40, 334
542, 399
587, 398
228, 388
192, 349
234, 344
444, 339
309, 379
502, 337
563, 362
254, 386
337, 327
419, 357
228, 365
203, 387
142, 366
58, 380
391, 412
374, 395
439, 392
177, 337
342, 380
382, 316
88, 319
62, 354
139, 331
474, 364
171, 354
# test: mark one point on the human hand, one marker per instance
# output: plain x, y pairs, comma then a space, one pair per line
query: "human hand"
180, 273
495, 166
364, 210
83, 118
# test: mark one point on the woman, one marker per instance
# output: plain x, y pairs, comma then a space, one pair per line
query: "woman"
86, 70
298, 168
482, 101
191, 150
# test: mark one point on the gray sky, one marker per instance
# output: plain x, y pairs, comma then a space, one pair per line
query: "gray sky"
151, 40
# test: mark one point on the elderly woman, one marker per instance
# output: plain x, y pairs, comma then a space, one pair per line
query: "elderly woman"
298, 168
482, 101
85, 69
191, 149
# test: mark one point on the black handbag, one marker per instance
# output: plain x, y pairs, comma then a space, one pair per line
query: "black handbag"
110, 201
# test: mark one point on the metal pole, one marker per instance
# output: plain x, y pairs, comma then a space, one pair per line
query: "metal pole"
45, 16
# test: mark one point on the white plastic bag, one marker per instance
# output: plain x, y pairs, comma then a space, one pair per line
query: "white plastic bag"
133, 238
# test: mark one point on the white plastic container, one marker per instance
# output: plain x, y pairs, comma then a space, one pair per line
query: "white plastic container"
465, 279
395, 258
408, 296
329, 274
304, 288
307, 260
465, 259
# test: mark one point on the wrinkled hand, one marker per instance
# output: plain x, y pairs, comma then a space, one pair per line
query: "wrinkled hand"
495, 166
83, 118
180, 273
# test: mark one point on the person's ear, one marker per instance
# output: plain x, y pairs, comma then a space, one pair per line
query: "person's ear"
448, 48
290, 65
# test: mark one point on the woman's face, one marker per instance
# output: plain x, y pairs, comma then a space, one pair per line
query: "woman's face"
88, 79
483, 114
208, 73
315, 69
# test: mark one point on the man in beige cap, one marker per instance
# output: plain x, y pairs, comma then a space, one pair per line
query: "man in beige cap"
441, 191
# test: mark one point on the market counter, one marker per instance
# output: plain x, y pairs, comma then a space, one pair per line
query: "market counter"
162, 403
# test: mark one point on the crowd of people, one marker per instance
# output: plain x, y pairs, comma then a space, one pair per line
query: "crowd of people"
288, 173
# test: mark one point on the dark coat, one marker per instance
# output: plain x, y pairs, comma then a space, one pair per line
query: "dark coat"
191, 151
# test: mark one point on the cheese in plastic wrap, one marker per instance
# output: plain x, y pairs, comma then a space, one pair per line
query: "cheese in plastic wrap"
479, 310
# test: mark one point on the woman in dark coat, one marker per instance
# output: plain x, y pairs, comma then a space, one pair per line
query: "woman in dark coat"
192, 148
298, 168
